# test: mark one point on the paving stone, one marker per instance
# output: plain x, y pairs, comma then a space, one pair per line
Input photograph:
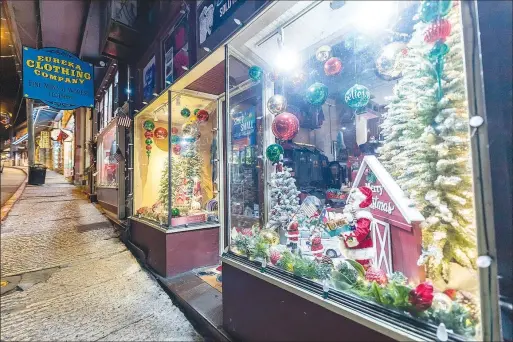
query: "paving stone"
76, 280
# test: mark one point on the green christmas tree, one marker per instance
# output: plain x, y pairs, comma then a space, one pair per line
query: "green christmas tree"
164, 185
426, 149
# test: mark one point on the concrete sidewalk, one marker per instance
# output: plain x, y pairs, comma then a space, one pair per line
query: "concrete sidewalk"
66, 276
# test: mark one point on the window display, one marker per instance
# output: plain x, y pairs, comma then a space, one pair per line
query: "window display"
107, 163
194, 190
187, 186
364, 129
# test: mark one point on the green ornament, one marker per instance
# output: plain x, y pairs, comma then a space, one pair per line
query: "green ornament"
196, 111
185, 112
357, 96
273, 152
148, 141
317, 93
175, 139
175, 212
440, 49
148, 153
433, 9
149, 125
255, 73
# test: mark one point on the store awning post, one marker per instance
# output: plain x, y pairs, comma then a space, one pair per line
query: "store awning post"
30, 127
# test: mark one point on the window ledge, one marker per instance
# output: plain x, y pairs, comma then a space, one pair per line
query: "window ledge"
172, 230
386, 328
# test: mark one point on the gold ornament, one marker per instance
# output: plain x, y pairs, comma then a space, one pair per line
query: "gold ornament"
431, 138
442, 302
270, 236
193, 119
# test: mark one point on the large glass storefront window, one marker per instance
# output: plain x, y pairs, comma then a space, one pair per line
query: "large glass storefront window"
194, 144
107, 162
151, 147
359, 110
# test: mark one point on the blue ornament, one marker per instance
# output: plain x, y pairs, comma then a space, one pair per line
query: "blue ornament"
255, 73
175, 139
357, 96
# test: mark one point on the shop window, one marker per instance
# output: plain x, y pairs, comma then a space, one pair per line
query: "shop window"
176, 51
367, 154
107, 159
151, 143
194, 199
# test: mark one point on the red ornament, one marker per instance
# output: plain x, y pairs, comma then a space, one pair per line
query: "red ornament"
285, 126
377, 275
177, 149
451, 293
202, 115
148, 147
422, 296
333, 66
439, 30
174, 130
275, 257
160, 133
148, 134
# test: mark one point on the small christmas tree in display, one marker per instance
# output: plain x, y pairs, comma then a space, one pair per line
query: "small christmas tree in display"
284, 197
426, 145
164, 185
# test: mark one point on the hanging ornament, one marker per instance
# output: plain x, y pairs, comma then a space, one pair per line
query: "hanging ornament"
390, 63
440, 49
357, 96
316, 94
438, 30
298, 78
421, 297
196, 111
255, 73
185, 112
174, 130
175, 212
285, 126
148, 141
273, 152
277, 104
323, 53
148, 147
175, 139
333, 66
436, 55
160, 133
193, 119
432, 9
148, 153
176, 149
148, 125
190, 129
148, 134
202, 115
273, 76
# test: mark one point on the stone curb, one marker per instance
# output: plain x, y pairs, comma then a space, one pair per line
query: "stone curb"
6, 208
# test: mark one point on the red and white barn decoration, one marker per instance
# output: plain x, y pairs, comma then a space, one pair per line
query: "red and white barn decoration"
396, 228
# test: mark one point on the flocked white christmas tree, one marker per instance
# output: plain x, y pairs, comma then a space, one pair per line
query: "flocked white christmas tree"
284, 197
426, 149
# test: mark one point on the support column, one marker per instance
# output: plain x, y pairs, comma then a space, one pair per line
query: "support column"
30, 127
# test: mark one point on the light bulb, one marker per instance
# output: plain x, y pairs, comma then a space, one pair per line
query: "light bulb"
286, 60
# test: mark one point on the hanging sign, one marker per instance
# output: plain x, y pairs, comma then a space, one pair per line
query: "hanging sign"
57, 78
213, 14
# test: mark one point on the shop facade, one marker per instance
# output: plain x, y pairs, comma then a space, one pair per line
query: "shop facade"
331, 165
361, 215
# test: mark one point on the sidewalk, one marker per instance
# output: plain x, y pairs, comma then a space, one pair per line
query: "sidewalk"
66, 275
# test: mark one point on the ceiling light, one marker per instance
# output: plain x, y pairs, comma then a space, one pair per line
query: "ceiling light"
155, 94
168, 82
206, 49
286, 59
128, 91
136, 110
237, 21
185, 68
144, 103
10, 45
3, 18
102, 64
